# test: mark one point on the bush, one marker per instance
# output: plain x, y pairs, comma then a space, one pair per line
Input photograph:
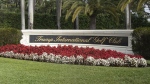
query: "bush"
9, 36
140, 42
10, 20
139, 21
47, 21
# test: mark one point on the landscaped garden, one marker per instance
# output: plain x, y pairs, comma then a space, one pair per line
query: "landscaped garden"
69, 64
72, 55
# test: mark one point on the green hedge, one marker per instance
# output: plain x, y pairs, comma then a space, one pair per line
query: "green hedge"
10, 20
9, 36
47, 21
141, 41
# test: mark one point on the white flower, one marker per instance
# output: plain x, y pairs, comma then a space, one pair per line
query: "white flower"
89, 60
58, 59
97, 62
79, 59
142, 62
35, 57
65, 59
72, 59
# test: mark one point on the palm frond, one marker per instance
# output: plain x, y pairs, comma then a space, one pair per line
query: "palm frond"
87, 8
69, 12
98, 3
140, 3
76, 12
67, 3
91, 12
74, 5
123, 3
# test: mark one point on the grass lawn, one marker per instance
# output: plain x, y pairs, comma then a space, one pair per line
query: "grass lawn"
14, 71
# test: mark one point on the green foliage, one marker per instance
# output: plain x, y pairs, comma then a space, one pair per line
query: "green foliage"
139, 21
47, 21
10, 20
44, 21
137, 3
140, 42
105, 21
45, 6
9, 36
83, 22
90, 8
66, 24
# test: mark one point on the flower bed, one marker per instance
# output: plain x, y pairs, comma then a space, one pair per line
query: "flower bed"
72, 55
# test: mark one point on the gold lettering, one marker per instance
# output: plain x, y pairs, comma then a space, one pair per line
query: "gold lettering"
64, 39
115, 40
74, 39
41, 38
100, 40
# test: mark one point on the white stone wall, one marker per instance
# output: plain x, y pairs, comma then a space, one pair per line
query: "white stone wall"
124, 49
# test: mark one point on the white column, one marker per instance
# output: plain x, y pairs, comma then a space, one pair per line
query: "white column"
22, 15
30, 14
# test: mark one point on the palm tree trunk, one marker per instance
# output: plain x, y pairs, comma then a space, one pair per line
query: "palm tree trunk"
93, 22
128, 17
34, 4
22, 14
76, 23
30, 14
58, 10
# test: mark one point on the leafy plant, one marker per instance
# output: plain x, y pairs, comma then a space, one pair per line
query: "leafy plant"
9, 36
140, 41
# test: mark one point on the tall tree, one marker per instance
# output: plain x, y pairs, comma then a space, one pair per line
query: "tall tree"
22, 14
128, 16
30, 14
76, 23
125, 5
89, 7
58, 12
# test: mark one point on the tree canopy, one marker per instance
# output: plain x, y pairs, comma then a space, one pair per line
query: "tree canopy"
90, 8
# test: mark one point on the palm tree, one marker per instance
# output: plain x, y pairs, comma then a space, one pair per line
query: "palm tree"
128, 17
23, 14
125, 5
89, 7
30, 14
76, 23
140, 3
58, 10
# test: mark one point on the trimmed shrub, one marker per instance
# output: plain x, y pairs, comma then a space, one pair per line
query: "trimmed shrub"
9, 36
47, 21
10, 20
140, 42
